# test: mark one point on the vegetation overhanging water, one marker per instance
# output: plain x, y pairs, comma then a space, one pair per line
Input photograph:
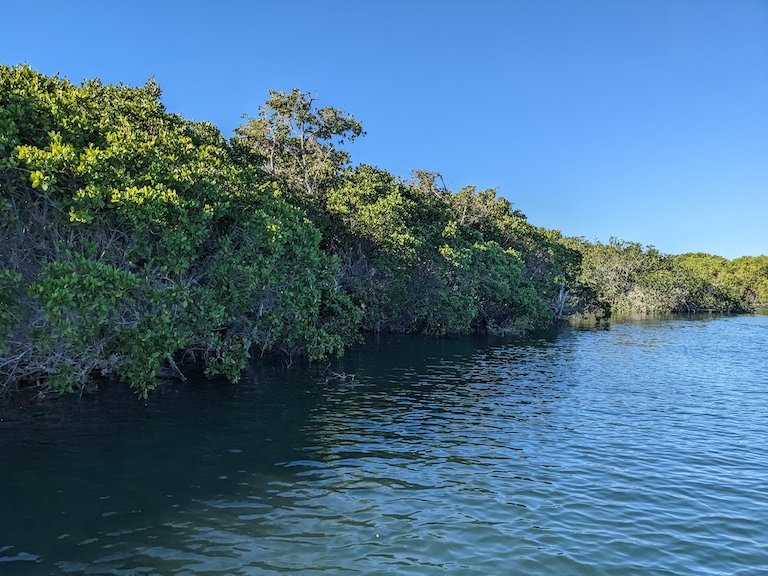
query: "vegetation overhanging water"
135, 241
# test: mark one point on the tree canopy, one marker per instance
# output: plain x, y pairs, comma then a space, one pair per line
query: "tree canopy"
135, 241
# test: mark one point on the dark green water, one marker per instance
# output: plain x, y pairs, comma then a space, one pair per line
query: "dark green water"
638, 449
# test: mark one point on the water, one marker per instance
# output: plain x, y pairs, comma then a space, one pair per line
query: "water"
637, 449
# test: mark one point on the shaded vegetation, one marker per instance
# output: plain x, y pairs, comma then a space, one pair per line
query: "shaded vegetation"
628, 278
134, 240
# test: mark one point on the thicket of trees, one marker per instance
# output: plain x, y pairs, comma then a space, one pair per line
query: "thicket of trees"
630, 279
134, 240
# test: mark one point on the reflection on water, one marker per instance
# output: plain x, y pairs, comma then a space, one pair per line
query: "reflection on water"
636, 448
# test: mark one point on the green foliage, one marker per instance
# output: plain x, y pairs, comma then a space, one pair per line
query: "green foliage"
630, 279
748, 276
551, 264
294, 142
139, 241
416, 267
495, 293
134, 239
414, 256
375, 205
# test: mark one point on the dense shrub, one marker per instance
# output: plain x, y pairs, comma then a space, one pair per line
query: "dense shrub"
628, 278
131, 239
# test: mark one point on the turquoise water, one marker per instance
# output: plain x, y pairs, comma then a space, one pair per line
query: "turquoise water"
638, 448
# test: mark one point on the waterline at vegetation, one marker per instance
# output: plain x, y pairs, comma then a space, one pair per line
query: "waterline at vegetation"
134, 241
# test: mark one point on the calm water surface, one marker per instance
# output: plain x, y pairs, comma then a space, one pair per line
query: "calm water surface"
637, 449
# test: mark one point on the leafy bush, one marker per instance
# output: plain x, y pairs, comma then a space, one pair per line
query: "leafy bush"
132, 239
630, 279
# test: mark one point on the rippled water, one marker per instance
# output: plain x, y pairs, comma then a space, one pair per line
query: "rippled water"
637, 449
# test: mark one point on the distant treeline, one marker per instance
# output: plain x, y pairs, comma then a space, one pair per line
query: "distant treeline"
630, 279
134, 241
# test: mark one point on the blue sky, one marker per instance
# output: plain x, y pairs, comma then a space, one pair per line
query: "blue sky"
646, 120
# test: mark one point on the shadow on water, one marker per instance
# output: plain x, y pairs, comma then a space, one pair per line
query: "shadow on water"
113, 463
79, 473
604, 446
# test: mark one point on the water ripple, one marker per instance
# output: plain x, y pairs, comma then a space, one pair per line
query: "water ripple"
635, 450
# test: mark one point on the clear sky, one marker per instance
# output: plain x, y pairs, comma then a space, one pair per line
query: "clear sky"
642, 119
